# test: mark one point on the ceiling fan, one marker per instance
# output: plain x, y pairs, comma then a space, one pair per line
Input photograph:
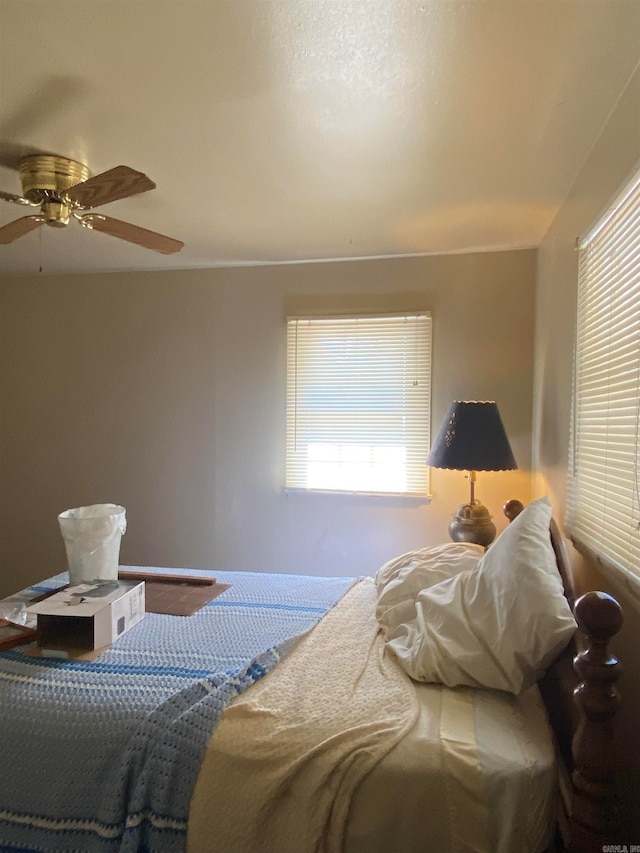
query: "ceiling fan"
63, 190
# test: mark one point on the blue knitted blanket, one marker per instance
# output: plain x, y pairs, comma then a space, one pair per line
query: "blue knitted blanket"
103, 756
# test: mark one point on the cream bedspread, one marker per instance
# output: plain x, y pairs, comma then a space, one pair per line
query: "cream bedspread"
338, 750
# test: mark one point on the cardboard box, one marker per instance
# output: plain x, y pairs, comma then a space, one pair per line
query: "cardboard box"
88, 615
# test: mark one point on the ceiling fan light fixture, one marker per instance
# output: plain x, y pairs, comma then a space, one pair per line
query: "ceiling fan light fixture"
56, 213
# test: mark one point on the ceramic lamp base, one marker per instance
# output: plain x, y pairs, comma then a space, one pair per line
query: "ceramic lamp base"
472, 523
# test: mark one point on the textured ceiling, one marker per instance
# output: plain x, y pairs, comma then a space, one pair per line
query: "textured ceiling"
282, 130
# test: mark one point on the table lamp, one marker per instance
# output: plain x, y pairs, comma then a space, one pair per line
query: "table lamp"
472, 438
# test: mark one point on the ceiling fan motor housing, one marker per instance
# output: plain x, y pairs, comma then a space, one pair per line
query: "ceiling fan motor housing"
43, 174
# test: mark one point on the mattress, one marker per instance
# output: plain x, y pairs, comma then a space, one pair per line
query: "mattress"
338, 750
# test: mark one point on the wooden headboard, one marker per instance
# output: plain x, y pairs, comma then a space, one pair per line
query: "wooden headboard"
581, 698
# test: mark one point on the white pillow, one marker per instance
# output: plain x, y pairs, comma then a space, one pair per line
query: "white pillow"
497, 625
400, 580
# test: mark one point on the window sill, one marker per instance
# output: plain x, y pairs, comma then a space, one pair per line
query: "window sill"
624, 581
404, 496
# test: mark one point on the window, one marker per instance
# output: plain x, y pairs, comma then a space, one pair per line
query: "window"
603, 512
358, 396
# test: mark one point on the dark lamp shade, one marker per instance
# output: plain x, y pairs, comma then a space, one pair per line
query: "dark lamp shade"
472, 438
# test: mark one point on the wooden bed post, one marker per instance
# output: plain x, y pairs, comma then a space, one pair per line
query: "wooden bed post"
582, 717
595, 816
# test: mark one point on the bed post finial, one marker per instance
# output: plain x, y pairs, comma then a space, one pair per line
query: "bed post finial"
595, 816
513, 508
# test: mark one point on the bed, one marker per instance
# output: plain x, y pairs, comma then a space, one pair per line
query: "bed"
279, 719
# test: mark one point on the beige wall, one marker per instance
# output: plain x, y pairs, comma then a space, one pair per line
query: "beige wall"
166, 393
611, 162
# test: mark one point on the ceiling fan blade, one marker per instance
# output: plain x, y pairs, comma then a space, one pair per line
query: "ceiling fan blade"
132, 233
118, 182
19, 227
17, 199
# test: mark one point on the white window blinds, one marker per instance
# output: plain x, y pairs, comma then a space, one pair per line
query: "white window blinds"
358, 396
604, 507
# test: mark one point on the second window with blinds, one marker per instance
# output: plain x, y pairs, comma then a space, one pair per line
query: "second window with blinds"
603, 508
358, 398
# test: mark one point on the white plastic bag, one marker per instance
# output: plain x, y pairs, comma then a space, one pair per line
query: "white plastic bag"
92, 540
